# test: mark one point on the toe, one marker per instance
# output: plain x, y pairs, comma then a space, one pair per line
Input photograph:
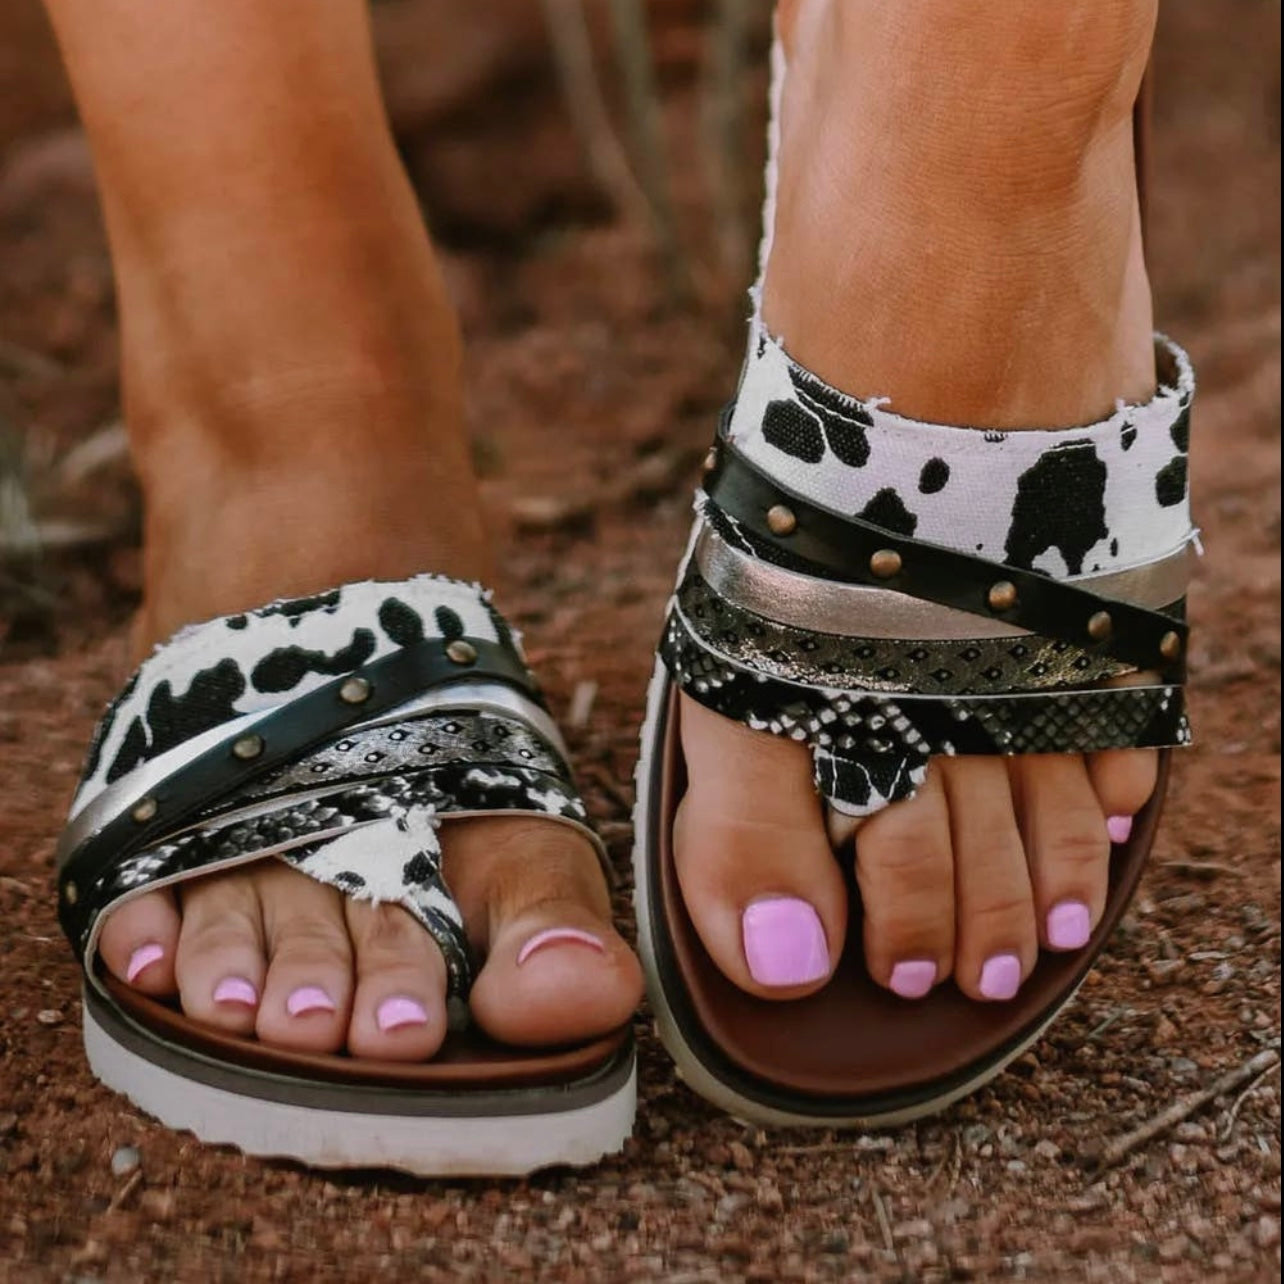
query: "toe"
905, 868
1123, 779
754, 862
307, 994
996, 939
139, 942
1066, 845
399, 1006
220, 960
536, 901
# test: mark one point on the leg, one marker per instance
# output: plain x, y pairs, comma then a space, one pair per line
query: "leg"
291, 371
956, 228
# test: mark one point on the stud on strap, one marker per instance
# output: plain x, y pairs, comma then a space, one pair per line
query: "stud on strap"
855, 551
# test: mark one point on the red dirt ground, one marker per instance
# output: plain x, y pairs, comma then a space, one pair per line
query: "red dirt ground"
571, 344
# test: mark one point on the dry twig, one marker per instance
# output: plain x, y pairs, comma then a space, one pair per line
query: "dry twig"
1233, 1113
1183, 1108
724, 133
573, 54
646, 129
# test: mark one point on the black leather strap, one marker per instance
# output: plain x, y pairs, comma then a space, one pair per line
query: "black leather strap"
285, 734
841, 548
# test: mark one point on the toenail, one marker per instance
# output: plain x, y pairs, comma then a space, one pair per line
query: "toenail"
554, 936
913, 978
1069, 925
236, 989
784, 942
1001, 977
399, 1011
141, 959
308, 998
1119, 828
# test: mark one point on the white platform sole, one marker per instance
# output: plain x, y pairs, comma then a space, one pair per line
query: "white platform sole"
512, 1138
693, 1070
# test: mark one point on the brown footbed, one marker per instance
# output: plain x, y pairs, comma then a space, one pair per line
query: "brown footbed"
468, 1060
853, 1045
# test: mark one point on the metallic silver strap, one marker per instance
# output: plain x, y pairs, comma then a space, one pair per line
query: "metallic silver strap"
126, 792
828, 606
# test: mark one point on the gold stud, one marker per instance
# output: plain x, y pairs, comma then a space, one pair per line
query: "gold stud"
144, 810
1170, 646
781, 520
248, 747
1003, 596
885, 563
1100, 626
355, 691
71, 893
461, 652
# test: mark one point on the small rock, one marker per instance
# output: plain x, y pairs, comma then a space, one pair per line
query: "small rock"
741, 1156
1164, 971
125, 1160
920, 1228
159, 1205
49, 1016
8, 1124
769, 1197
1048, 1150
729, 1205
1266, 1234
1174, 1248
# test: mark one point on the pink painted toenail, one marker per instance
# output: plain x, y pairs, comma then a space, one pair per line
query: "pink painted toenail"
1001, 977
400, 1011
1069, 925
1119, 828
236, 989
141, 959
784, 942
308, 998
556, 935
913, 978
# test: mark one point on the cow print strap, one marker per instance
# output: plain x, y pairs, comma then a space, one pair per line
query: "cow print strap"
335, 733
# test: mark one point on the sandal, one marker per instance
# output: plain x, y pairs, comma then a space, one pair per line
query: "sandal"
336, 733
925, 624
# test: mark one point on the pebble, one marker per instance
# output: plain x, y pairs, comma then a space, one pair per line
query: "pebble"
124, 1160
1164, 971
49, 1016
1267, 1232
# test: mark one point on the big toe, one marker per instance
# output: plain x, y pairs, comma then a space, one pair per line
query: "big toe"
556, 970
754, 862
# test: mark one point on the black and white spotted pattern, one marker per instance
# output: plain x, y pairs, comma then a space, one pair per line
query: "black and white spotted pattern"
1072, 501
360, 813
209, 674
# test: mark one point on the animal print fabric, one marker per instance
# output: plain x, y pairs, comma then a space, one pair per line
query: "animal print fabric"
210, 674
360, 813
1066, 502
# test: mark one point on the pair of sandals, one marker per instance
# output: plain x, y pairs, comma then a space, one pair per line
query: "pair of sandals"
339, 732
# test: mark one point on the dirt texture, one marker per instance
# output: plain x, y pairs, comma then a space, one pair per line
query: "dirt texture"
592, 399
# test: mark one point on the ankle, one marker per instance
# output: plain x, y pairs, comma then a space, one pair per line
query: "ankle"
986, 267
299, 489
